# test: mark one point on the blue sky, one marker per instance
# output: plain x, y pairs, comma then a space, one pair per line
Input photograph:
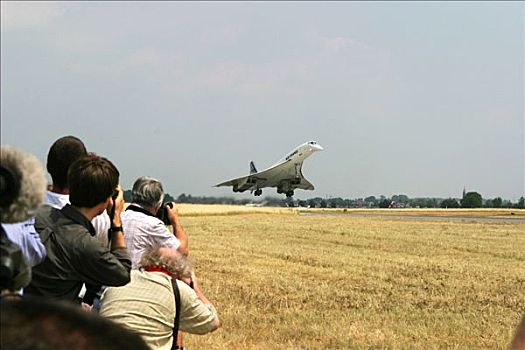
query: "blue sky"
416, 98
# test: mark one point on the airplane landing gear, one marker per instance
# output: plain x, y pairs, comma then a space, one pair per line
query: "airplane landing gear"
258, 192
289, 194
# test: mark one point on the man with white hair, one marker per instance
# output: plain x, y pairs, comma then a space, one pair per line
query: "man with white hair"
148, 307
22, 189
143, 229
23, 171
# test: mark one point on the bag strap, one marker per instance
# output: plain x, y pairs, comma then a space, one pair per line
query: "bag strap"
176, 295
45, 234
133, 207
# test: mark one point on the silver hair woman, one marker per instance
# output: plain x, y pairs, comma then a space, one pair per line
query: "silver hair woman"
147, 192
27, 170
167, 259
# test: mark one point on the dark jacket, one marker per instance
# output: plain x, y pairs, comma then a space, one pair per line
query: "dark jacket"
74, 256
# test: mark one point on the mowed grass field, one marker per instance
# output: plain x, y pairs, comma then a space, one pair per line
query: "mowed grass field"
288, 281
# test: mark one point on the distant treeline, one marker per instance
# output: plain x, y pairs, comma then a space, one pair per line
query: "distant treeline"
469, 200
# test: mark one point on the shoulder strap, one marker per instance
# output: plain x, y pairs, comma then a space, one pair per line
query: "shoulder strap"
45, 234
133, 207
176, 294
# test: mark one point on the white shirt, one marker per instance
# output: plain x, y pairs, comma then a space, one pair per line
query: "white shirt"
142, 231
57, 200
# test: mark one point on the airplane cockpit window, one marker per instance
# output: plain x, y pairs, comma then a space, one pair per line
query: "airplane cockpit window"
313, 142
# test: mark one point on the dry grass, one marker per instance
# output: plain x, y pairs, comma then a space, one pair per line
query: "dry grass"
340, 282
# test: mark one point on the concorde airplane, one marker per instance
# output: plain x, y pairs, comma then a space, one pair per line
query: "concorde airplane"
286, 174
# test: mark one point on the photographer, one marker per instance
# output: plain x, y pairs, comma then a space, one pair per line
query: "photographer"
148, 305
74, 255
143, 229
62, 153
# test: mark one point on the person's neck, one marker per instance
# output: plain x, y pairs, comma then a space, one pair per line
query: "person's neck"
89, 213
59, 190
159, 269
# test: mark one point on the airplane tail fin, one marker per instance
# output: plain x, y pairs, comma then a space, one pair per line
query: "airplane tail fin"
253, 170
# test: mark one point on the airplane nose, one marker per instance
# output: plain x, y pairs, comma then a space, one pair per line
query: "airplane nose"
317, 147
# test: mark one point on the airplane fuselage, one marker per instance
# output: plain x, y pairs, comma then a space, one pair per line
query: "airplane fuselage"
286, 175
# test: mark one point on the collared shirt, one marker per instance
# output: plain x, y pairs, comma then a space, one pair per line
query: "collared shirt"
142, 231
101, 223
74, 256
57, 200
147, 307
78, 218
25, 235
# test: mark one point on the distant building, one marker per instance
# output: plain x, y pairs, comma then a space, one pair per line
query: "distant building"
398, 205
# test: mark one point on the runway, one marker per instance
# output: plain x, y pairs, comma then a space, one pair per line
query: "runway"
480, 219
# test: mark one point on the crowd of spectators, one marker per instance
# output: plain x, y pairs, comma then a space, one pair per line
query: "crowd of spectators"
83, 252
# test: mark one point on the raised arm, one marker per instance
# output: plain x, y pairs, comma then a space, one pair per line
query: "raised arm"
178, 230
117, 235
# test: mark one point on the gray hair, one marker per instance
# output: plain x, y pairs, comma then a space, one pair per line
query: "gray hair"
147, 192
169, 259
33, 184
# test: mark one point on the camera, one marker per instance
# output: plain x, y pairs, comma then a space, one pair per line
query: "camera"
162, 214
114, 197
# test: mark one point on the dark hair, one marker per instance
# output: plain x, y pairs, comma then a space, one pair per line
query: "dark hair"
61, 155
43, 324
92, 180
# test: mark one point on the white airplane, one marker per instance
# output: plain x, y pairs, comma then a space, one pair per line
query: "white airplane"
286, 174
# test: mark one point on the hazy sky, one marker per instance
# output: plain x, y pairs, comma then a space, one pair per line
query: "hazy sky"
415, 98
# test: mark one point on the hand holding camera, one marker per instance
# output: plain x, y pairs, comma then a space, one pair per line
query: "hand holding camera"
168, 213
118, 200
116, 204
164, 212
